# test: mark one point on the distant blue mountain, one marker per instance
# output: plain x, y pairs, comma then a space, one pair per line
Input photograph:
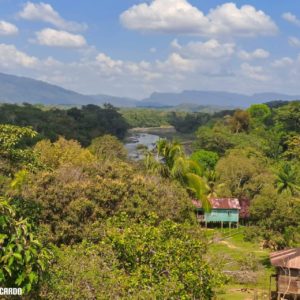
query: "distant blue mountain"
214, 98
116, 101
14, 89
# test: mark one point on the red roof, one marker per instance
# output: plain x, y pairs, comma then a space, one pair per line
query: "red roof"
289, 258
221, 203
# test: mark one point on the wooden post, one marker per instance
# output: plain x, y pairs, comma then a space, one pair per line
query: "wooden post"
222, 224
229, 225
278, 296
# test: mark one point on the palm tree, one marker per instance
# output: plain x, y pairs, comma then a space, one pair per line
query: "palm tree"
169, 151
213, 187
172, 163
287, 180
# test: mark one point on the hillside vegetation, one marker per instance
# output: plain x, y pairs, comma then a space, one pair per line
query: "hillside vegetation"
80, 221
81, 124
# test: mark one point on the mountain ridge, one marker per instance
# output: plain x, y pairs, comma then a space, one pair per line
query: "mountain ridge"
214, 98
18, 89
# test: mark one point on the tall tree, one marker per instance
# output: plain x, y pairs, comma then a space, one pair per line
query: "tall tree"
259, 113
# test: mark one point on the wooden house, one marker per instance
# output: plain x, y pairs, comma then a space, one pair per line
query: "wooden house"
287, 264
224, 210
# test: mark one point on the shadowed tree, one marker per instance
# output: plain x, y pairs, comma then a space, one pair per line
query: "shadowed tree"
240, 121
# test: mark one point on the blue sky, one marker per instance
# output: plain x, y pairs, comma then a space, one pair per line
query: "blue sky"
135, 47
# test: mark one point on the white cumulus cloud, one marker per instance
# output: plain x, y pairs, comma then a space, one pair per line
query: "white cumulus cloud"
8, 28
209, 49
293, 41
282, 62
58, 38
180, 17
254, 72
288, 16
176, 63
11, 57
44, 12
256, 54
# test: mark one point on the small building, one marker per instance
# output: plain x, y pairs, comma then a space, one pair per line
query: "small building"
287, 264
224, 210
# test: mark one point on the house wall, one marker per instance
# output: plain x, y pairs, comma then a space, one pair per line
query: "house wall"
222, 215
290, 272
288, 284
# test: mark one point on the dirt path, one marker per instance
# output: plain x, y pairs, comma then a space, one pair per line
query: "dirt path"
229, 245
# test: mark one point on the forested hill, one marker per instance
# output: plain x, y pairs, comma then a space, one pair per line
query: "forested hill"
14, 89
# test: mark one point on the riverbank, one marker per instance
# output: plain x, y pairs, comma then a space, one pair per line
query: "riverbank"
167, 132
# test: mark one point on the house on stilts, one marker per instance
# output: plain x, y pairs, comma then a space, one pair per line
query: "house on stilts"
224, 211
287, 277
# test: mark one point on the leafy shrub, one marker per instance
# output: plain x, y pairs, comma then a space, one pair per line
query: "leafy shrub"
165, 261
23, 260
14, 152
84, 271
277, 217
108, 147
207, 159
52, 155
135, 261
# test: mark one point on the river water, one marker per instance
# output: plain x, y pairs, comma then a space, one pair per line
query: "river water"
136, 140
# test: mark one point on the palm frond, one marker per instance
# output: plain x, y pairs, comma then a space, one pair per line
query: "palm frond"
151, 163
180, 168
196, 184
195, 167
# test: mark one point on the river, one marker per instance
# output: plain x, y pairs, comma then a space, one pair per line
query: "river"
140, 139
137, 140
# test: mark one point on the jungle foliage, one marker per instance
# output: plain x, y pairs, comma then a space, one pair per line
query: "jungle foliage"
259, 161
81, 124
79, 220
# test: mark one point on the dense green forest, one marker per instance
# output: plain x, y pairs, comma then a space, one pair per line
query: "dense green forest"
184, 122
80, 221
82, 124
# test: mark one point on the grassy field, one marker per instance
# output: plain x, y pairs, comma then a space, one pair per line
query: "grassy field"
247, 259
